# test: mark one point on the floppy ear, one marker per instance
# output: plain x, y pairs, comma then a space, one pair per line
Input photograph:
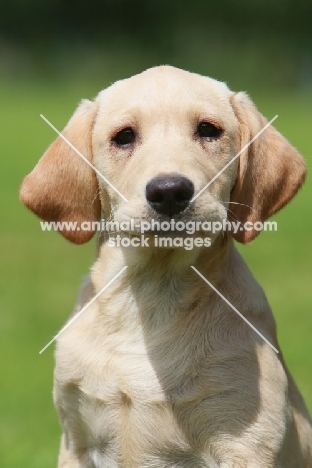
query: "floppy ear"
63, 187
270, 170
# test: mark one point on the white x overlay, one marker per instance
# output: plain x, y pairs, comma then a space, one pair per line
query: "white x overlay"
84, 158
233, 159
125, 199
234, 308
83, 309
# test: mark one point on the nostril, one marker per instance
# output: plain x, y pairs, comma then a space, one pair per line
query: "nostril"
183, 195
169, 194
155, 196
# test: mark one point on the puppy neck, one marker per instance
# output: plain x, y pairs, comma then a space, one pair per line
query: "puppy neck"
162, 275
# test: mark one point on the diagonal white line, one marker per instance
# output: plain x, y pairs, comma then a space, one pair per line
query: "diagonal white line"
83, 309
232, 160
84, 158
235, 310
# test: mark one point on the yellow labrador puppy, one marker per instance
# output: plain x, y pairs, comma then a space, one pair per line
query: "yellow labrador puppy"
159, 371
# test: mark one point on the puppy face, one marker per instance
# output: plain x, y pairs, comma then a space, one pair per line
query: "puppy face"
159, 138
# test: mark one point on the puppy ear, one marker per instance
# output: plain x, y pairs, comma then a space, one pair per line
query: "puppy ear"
63, 187
270, 170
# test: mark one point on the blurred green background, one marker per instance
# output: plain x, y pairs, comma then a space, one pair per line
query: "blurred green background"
54, 53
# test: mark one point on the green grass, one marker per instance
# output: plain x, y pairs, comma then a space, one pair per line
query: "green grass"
41, 272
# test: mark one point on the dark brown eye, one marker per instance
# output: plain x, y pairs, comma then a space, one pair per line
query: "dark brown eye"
208, 130
124, 137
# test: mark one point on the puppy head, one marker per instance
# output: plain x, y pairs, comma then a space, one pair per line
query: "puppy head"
149, 132
160, 137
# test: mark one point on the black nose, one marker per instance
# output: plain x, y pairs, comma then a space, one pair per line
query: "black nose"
169, 194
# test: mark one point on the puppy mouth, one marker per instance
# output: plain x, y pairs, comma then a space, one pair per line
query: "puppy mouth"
150, 227
161, 225
150, 223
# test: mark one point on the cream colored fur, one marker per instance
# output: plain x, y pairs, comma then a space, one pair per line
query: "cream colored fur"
159, 372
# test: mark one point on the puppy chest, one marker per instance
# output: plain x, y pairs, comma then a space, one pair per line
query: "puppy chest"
121, 418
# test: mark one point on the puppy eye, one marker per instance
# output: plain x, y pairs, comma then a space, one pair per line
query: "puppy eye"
124, 137
208, 130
